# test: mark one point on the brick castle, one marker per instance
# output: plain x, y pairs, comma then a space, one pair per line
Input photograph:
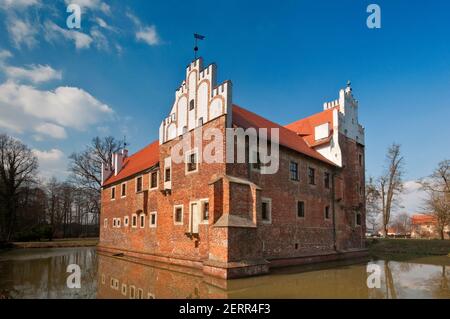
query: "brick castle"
228, 218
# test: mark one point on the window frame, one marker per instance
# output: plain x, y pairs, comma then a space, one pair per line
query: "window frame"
113, 192
327, 178
327, 211
202, 205
141, 220
126, 221
268, 202
105, 223
175, 222
142, 184
134, 218
313, 170
122, 190
356, 219
297, 177
297, 202
151, 225
157, 180
187, 161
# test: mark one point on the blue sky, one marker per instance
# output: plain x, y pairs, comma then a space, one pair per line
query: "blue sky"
285, 59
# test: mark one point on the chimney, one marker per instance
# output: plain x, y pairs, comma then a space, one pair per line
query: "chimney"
106, 172
118, 159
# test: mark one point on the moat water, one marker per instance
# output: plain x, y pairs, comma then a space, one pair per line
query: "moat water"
42, 273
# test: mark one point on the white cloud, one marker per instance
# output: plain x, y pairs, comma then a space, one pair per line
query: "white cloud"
99, 39
412, 198
18, 4
51, 163
103, 24
4, 54
33, 73
23, 108
92, 5
51, 130
146, 34
53, 32
22, 32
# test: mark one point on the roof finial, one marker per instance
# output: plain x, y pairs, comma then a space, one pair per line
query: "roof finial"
197, 37
349, 83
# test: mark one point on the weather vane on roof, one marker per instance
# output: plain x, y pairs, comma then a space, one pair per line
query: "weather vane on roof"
197, 37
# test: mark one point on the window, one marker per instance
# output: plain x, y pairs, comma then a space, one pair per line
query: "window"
132, 292
327, 212
301, 209
114, 222
118, 222
167, 175
266, 207
205, 210
140, 294
360, 159
293, 169
123, 190
312, 176
326, 180
124, 289
191, 162
200, 121
139, 184
154, 180
178, 215
358, 219
126, 221
113, 192
153, 219
142, 220
191, 105
105, 223
134, 221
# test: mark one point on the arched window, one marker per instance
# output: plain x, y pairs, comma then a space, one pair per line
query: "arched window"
191, 105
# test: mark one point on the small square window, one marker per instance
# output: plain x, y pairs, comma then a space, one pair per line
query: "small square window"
300, 209
139, 184
312, 176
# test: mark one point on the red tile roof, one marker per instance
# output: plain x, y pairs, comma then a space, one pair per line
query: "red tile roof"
423, 219
245, 119
138, 162
305, 127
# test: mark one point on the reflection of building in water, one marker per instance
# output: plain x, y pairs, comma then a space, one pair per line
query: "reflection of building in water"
230, 219
120, 278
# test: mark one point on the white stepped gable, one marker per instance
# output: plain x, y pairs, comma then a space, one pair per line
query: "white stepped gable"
198, 100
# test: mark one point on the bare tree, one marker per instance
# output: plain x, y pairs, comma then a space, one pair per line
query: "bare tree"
390, 184
402, 223
86, 166
372, 205
18, 166
437, 186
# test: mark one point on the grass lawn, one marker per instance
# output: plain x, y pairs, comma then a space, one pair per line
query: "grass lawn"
408, 247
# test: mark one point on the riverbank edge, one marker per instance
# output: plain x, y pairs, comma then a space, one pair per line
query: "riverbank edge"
407, 248
65, 243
